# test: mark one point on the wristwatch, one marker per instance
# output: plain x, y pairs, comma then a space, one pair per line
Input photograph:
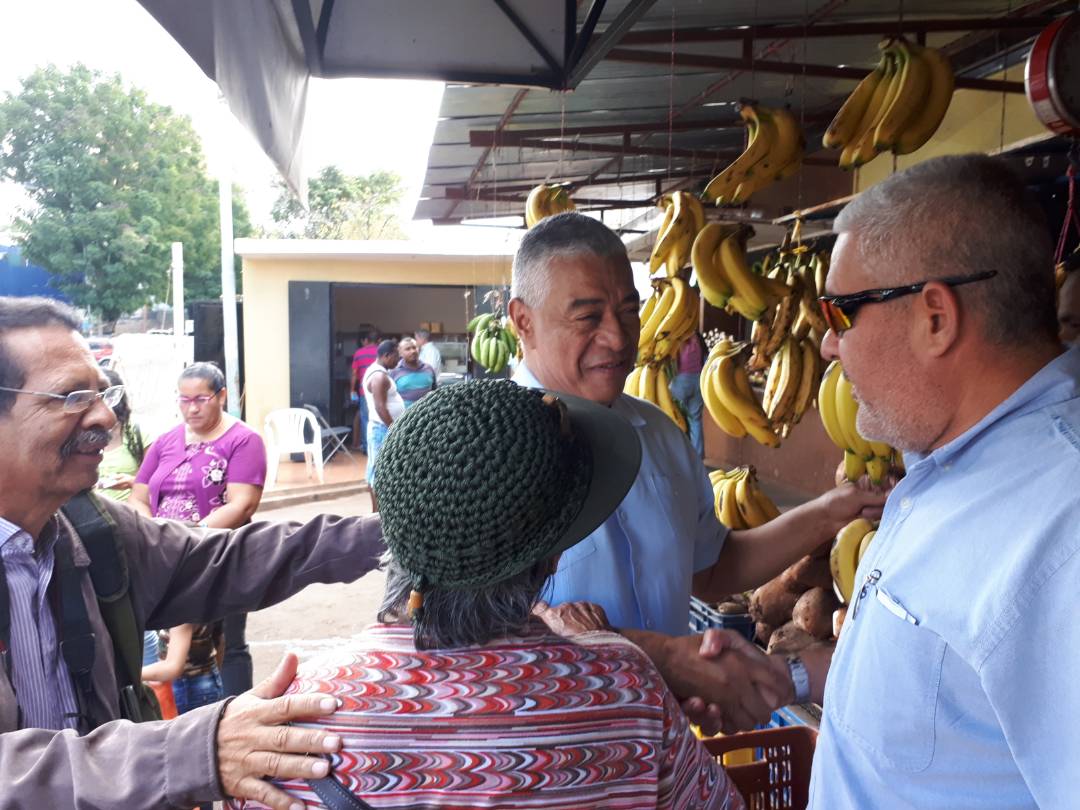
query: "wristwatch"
800, 679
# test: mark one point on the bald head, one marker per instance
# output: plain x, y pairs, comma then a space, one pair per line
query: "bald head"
961, 215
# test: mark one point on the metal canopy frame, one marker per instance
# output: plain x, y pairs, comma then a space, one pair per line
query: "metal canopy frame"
539, 138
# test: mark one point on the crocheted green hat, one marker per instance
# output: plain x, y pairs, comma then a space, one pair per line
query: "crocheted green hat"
480, 480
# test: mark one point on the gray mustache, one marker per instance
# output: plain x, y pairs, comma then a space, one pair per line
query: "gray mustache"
86, 441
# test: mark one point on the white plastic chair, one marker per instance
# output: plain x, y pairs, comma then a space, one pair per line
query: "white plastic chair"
283, 431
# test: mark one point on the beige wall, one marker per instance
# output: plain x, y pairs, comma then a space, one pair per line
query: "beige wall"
266, 306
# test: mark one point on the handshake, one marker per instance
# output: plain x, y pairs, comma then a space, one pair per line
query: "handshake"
726, 683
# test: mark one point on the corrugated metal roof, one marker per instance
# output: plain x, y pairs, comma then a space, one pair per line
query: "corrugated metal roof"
471, 179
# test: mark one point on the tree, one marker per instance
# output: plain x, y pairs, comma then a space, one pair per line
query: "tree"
115, 179
341, 206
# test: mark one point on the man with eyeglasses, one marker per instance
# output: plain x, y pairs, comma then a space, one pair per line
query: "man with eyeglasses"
61, 742
955, 675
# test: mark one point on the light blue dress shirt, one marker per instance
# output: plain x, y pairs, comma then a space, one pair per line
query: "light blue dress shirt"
639, 564
956, 682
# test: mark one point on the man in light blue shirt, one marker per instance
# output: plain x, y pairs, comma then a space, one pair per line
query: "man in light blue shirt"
954, 681
575, 308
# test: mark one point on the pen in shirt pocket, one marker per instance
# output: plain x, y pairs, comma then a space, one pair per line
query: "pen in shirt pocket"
887, 600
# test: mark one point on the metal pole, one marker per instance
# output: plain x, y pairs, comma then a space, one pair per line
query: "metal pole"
177, 270
228, 290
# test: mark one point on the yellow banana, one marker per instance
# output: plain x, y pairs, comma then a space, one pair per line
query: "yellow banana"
647, 383
786, 151
747, 286
935, 105
747, 505
667, 404
656, 259
871, 115
845, 123
633, 381
864, 546
733, 389
649, 329
811, 360
765, 503
865, 150
721, 187
877, 469
728, 511
725, 419
790, 380
827, 404
846, 410
912, 86
843, 558
713, 283
854, 466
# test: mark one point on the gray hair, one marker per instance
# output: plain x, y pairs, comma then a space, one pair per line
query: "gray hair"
960, 215
27, 313
422, 334
462, 617
566, 234
209, 373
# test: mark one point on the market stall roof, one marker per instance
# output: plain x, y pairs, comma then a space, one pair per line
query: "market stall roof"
262, 52
657, 108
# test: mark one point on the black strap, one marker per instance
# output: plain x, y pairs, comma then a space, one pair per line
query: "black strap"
109, 574
76, 635
335, 795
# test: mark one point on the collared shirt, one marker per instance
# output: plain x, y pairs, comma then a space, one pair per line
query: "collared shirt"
954, 683
640, 563
430, 354
39, 675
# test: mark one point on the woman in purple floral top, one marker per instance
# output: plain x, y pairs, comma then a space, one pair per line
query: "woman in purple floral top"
208, 470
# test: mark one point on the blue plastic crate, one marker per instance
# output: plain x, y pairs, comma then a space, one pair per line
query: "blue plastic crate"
703, 617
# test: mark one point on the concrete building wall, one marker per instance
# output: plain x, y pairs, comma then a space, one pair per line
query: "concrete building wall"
266, 297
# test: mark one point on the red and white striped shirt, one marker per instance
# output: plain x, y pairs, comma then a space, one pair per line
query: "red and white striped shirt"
536, 721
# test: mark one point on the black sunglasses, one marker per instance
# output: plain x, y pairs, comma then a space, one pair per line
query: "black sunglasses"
839, 310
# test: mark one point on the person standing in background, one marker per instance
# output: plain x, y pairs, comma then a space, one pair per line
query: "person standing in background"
208, 470
362, 358
125, 451
429, 352
383, 401
413, 377
686, 387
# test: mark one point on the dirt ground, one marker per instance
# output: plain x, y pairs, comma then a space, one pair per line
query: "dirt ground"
320, 616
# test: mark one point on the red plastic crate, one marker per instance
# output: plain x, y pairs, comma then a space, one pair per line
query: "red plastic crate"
780, 780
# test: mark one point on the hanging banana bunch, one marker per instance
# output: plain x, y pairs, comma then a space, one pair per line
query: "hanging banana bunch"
652, 381
739, 500
729, 398
774, 151
546, 201
726, 278
839, 410
668, 317
897, 107
493, 342
684, 217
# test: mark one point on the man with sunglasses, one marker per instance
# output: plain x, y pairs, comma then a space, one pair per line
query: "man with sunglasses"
62, 743
955, 675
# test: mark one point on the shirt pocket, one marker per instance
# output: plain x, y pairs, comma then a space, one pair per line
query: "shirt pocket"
577, 553
885, 695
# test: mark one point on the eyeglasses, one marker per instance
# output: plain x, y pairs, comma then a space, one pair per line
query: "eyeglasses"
78, 401
839, 310
187, 402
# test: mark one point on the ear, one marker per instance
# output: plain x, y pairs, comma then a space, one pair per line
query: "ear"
937, 319
523, 320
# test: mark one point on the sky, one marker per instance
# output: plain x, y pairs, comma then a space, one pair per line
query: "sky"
358, 124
